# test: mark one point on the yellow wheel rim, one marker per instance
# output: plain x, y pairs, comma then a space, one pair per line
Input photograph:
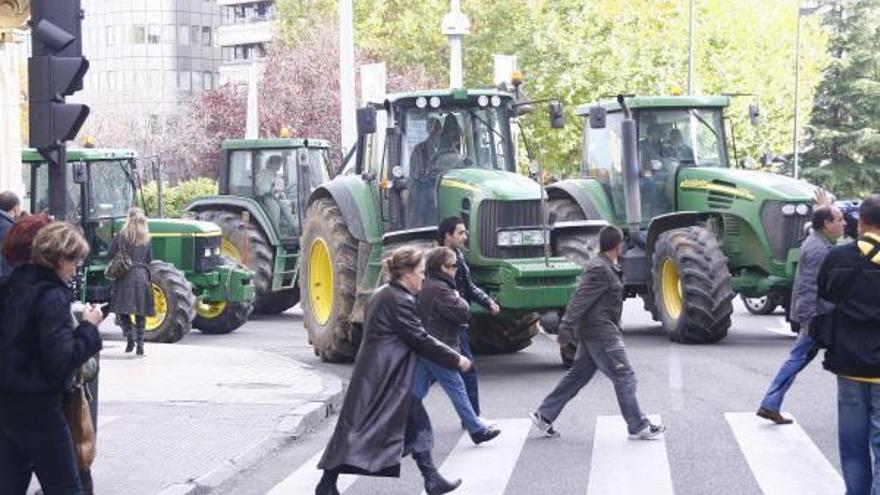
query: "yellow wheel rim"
229, 250
160, 302
210, 310
320, 281
671, 287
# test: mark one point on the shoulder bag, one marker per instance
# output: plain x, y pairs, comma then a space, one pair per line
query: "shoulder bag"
79, 421
120, 264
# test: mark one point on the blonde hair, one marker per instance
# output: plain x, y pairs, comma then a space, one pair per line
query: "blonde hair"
56, 242
135, 231
402, 260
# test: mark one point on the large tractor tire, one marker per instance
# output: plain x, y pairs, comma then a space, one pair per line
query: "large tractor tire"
328, 280
220, 317
691, 285
238, 240
494, 335
174, 302
577, 248
279, 302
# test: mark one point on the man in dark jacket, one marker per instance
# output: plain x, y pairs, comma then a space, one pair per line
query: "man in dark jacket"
594, 315
850, 279
453, 234
828, 225
10, 210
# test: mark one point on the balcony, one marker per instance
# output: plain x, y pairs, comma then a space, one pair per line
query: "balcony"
241, 34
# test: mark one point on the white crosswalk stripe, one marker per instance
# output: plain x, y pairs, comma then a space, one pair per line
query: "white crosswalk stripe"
614, 455
782, 458
304, 479
486, 469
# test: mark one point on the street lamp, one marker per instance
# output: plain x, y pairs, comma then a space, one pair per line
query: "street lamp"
802, 11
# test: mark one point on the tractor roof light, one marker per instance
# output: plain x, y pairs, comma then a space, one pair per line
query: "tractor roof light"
516, 78
483, 100
284, 133
435, 102
89, 141
496, 101
421, 102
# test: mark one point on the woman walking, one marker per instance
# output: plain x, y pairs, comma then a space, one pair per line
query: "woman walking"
375, 423
39, 351
132, 295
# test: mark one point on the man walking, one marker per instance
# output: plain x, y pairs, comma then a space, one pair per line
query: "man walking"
593, 314
850, 278
453, 234
10, 210
828, 225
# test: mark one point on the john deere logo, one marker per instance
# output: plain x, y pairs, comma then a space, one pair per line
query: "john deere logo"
704, 185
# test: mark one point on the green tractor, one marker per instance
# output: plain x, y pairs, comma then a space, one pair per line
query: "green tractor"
264, 186
698, 229
192, 285
391, 196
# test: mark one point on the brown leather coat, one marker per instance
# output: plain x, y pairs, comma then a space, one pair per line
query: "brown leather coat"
369, 435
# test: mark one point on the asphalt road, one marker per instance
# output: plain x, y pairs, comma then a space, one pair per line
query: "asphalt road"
705, 395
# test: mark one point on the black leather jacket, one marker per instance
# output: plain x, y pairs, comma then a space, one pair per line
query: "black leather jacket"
443, 310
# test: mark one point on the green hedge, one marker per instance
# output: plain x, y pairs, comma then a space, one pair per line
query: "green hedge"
177, 197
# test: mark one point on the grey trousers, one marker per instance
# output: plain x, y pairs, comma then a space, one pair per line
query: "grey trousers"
609, 358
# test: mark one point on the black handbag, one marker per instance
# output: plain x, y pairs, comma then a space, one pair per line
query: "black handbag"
119, 265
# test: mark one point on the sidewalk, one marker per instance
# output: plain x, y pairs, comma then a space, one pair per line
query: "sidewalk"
186, 418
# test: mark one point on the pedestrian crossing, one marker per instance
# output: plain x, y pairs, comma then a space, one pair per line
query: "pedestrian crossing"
783, 460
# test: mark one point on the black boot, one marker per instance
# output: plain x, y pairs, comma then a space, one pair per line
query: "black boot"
140, 349
327, 485
130, 345
435, 484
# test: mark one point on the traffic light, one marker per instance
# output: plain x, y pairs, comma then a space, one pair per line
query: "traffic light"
55, 70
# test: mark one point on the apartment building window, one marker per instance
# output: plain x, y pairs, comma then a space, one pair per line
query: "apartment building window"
243, 52
111, 36
194, 35
207, 80
169, 34
138, 35
197, 81
248, 12
183, 35
184, 81
154, 34
206, 35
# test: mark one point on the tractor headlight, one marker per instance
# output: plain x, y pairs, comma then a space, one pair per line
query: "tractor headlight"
208, 252
531, 237
802, 209
788, 209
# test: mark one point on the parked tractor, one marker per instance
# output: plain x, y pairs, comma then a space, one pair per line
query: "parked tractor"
192, 286
438, 154
264, 186
698, 228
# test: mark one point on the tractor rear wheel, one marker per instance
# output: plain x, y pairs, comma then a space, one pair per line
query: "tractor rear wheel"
174, 302
502, 335
238, 240
577, 248
328, 280
691, 285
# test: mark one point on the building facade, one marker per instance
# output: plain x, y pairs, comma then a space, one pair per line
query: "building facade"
147, 56
244, 36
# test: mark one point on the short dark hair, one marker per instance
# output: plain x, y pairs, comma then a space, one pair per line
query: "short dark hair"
609, 238
447, 226
821, 216
8, 200
869, 210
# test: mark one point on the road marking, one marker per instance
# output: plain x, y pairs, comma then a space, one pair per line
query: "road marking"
304, 479
486, 469
782, 328
782, 458
622, 466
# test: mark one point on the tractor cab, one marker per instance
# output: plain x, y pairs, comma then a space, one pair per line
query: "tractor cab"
672, 132
429, 135
279, 174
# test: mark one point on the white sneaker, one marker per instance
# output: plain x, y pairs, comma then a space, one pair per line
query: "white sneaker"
545, 426
649, 432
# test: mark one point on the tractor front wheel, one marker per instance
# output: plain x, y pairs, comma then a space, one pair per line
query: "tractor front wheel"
174, 302
691, 285
502, 335
763, 305
327, 279
215, 318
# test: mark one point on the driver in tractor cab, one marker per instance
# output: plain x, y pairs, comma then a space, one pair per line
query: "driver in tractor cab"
677, 149
422, 183
448, 156
652, 150
271, 192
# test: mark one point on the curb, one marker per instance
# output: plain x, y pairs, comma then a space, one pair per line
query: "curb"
290, 427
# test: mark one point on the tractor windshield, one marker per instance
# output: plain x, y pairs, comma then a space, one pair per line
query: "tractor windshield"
690, 137
112, 189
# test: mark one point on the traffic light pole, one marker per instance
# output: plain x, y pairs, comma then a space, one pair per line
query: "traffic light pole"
58, 185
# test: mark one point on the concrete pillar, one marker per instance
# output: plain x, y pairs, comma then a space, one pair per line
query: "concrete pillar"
12, 61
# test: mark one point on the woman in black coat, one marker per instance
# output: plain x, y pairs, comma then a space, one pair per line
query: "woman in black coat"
39, 351
132, 295
372, 428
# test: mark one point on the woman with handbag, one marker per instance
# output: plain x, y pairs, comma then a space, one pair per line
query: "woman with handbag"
132, 295
40, 349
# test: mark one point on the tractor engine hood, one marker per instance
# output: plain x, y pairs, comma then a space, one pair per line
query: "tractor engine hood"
746, 184
491, 184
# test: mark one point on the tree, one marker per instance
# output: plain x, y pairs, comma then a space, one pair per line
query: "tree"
843, 138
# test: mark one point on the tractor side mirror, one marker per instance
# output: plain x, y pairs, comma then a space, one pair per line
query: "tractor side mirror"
597, 117
755, 114
366, 121
78, 173
557, 115
302, 157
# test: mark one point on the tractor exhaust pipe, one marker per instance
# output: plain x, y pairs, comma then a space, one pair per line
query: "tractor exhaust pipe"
630, 169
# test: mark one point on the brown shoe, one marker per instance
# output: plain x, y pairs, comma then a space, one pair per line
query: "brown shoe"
774, 416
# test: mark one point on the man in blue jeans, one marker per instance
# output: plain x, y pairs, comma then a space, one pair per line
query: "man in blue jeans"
452, 234
828, 225
850, 278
